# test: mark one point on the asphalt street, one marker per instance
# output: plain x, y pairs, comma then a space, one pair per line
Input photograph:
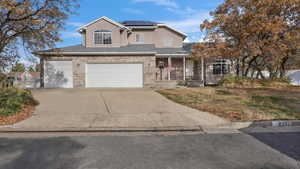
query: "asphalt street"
254, 148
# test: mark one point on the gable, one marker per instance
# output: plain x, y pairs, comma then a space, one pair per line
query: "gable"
104, 18
168, 38
173, 30
102, 25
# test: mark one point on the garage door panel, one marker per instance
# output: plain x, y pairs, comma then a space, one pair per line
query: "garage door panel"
58, 74
114, 75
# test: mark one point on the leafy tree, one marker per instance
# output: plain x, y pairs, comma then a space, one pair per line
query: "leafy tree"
31, 69
34, 68
34, 24
257, 35
18, 67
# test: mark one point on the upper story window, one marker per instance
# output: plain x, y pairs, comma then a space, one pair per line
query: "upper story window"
102, 37
139, 38
221, 67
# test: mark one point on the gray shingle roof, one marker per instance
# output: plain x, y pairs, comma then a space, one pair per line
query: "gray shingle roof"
129, 48
126, 49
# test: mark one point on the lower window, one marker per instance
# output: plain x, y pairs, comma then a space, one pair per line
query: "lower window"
221, 67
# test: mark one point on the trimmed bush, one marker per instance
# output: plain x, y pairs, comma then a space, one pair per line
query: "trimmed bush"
234, 81
13, 99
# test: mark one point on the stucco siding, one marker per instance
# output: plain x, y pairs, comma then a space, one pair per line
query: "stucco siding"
103, 25
148, 36
166, 38
161, 37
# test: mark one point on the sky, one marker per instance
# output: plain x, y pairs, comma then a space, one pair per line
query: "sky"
184, 15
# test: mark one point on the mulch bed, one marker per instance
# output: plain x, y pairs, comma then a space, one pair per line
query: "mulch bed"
27, 111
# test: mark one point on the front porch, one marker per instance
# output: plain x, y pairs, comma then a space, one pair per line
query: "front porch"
181, 68
170, 68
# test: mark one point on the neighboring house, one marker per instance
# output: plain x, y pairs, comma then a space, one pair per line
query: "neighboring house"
25, 79
114, 54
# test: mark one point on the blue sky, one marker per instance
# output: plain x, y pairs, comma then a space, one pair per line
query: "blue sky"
185, 15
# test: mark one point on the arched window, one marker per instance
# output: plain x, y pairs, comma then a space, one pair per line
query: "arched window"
102, 37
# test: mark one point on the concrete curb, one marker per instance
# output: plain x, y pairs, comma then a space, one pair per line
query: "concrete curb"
275, 123
230, 126
102, 129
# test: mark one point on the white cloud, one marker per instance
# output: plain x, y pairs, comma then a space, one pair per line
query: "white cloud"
75, 24
187, 40
69, 34
133, 11
190, 24
183, 11
167, 3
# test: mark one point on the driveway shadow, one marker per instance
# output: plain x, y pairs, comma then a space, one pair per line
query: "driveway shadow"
48, 153
287, 143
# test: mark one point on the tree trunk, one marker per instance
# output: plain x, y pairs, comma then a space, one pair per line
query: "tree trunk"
237, 67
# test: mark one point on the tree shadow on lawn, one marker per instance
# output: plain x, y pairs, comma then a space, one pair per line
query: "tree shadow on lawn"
287, 143
49, 153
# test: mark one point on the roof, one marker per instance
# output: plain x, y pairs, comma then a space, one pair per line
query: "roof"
129, 49
14, 74
139, 23
123, 49
173, 29
103, 18
132, 23
19, 74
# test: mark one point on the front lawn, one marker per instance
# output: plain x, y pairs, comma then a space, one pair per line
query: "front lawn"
241, 105
15, 105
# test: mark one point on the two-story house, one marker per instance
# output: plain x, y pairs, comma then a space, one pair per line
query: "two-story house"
118, 54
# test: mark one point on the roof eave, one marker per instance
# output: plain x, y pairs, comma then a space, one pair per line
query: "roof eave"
95, 53
175, 30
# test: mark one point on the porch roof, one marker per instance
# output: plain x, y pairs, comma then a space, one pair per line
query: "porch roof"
145, 49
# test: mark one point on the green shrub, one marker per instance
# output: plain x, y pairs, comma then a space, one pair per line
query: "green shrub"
12, 100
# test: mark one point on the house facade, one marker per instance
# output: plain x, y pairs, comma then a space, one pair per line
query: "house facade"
119, 54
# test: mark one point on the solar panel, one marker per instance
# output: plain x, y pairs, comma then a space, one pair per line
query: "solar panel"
139, 23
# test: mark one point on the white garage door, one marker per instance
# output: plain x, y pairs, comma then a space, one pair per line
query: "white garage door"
58, 74
114, 75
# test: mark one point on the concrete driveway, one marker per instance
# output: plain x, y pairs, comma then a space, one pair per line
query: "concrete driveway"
112, 108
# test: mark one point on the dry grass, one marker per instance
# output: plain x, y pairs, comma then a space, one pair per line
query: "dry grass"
241, 104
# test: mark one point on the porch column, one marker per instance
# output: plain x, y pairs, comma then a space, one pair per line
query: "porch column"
184, 68
169, 67
203, 68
